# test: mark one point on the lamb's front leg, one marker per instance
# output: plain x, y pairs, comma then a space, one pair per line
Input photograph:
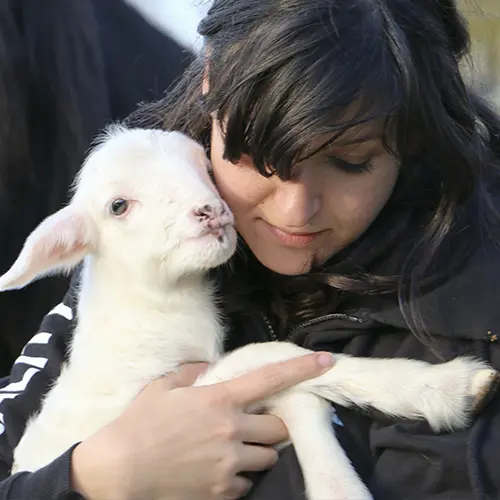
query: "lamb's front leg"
445, 394
328, 473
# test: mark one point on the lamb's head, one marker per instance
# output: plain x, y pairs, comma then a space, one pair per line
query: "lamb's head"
144, 203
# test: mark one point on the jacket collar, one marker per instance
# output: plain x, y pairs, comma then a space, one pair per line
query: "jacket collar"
465, 306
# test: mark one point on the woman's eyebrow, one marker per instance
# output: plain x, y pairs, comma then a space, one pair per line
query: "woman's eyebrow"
356, 140
345, 146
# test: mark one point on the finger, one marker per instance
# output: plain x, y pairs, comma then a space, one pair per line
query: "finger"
262, 429
185, 376
266, 381
255, 458
238, 488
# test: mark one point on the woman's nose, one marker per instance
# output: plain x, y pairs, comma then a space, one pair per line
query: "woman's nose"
297, 201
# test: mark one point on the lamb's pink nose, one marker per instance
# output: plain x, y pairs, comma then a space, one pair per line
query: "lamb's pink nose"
214, 216
206, 213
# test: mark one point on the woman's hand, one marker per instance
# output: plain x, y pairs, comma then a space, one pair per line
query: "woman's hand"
176, 442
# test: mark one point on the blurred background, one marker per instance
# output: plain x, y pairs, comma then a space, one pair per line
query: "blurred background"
483, 70
177, 18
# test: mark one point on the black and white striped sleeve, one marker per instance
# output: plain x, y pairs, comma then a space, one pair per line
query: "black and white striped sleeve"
20, 396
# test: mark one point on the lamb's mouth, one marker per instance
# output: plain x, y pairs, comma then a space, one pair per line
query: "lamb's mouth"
220, 232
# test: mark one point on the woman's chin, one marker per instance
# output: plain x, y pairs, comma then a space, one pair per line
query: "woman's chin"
285, 262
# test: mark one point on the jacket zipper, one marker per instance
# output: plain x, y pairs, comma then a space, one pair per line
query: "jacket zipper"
272, 333
305, 324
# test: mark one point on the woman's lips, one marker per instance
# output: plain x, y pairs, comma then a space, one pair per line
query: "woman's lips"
292, 239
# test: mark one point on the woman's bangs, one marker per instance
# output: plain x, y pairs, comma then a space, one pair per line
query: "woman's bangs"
286, 114
278, 132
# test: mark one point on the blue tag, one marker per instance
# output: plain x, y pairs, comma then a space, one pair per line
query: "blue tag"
335, 418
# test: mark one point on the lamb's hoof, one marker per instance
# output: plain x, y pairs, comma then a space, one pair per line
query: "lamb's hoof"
484, 385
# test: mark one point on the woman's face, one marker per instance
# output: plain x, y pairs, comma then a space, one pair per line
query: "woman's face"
292, 225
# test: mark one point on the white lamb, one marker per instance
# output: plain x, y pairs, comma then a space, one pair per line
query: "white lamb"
149, 224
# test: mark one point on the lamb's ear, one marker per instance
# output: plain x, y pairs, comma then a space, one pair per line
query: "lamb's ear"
57, 245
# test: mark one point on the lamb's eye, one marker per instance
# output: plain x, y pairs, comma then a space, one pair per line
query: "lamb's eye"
118, 206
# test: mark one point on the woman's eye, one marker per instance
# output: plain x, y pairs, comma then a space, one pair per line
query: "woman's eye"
118, 206
351, 168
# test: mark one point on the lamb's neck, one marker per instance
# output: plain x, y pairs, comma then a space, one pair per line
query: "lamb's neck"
128, 317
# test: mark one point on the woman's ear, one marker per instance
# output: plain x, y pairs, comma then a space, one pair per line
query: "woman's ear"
205, 86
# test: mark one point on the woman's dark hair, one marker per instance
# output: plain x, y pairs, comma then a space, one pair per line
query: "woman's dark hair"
284, 73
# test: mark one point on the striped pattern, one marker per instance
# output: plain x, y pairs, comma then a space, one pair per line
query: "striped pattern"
33, 358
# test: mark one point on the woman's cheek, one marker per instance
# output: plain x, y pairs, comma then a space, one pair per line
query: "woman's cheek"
358, 201
242, 188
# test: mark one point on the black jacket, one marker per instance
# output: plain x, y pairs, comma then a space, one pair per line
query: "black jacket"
398, 460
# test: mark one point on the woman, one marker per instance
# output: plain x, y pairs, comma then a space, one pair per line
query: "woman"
362, 173
67, 67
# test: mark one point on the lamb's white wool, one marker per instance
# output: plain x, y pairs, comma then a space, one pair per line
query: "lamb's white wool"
148, 223
142, 280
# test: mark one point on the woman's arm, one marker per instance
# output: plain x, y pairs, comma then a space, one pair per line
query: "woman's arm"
51, 482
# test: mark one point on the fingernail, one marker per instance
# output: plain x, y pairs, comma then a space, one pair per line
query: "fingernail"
326, 359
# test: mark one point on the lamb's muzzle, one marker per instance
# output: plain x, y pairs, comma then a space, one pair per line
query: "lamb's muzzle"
216, 219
